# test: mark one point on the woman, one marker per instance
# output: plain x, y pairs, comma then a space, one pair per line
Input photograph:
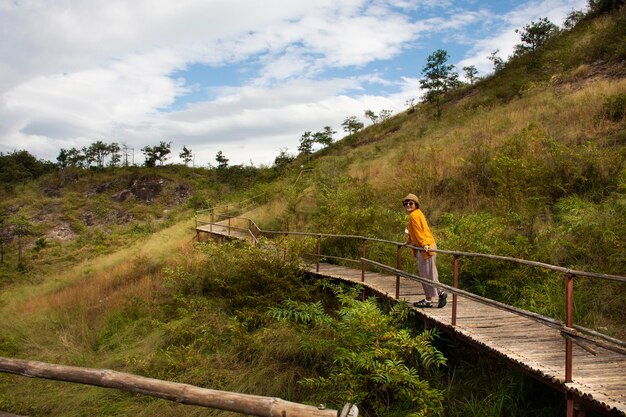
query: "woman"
421, 236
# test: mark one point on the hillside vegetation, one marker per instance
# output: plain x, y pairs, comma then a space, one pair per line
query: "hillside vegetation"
528, 163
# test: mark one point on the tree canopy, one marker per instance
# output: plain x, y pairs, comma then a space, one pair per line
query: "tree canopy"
439, 77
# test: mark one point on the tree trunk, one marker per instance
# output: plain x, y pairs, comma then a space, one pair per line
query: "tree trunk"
173, 391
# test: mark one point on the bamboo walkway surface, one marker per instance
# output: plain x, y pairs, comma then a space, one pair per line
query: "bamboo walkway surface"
599, 381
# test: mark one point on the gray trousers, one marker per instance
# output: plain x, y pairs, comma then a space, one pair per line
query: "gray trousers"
428, 269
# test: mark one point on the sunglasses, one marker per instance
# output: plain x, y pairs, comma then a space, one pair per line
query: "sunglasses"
408, 203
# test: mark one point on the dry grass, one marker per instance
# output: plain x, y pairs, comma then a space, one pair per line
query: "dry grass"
103, 280
566, 114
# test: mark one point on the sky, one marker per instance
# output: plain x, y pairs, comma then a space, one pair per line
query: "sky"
244, 77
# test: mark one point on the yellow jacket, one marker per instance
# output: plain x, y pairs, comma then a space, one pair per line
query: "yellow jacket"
419, 232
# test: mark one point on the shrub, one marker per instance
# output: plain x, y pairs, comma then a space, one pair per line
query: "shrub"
376, 362
614, 107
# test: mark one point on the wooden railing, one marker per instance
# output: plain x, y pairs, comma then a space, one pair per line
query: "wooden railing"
570, 331
182, 393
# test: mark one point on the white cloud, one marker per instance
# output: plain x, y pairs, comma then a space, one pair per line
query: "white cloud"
505, 38
72, 72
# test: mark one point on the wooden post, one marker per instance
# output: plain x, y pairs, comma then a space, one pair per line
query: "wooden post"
569, 322
363, 256
228, 225
319, 252
455, 284
212, 220
183, 393
569, 409
398, 261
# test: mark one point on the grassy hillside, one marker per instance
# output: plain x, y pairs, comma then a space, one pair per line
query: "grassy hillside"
528, 163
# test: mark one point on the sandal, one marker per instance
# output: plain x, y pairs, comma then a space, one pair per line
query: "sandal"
423, 303
443, 297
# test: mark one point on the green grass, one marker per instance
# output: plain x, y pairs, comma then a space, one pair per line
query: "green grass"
528, 163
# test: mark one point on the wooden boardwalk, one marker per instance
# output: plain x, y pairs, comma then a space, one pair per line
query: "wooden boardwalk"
598, 377
598, 381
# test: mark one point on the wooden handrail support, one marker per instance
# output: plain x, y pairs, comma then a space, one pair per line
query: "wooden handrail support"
568, 329
456, 255
183, 393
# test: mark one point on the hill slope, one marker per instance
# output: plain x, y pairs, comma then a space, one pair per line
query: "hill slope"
527, 163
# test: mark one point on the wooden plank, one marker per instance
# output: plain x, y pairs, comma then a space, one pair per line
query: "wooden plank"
530, 344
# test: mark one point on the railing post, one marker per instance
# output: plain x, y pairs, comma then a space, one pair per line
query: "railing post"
319, 252
569, 322
398, 261
363, 256
228, 225
212, 220
455, 284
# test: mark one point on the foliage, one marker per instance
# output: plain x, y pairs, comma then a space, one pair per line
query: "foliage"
222, 161
186, 155
352, 125
614, 107
530, 165
306, 144
498, 62
471, 73
21, 166
96, 152
376, 362
283, 159
372, 116
439, 77
534, 35
597, 7
157, 153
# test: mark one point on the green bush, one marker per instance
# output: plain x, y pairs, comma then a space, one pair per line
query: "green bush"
376, 362
614, 107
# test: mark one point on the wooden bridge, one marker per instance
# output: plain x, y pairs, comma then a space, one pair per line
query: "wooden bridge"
589, 367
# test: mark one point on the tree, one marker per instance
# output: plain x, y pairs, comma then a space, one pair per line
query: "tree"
282, 159
470, 74
156, 153
385, 114
63, 158
222, 161
21, 228
411, 103
372, 116
325, 137
306, 144
352, 125
115, 152
439, 77
604, 6
21, 166
534, 35
74, 158
572, 19
97, 152
498, 63
6, 235
186, 155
